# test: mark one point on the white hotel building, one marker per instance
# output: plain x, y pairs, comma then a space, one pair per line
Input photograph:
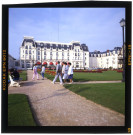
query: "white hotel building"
32, 51
110, 58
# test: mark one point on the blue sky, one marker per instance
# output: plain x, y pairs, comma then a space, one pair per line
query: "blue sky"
98, 28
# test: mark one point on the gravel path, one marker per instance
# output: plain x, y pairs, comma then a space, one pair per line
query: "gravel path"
55, 105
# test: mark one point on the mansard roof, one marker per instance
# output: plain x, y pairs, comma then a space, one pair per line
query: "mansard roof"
105, 52
55, 45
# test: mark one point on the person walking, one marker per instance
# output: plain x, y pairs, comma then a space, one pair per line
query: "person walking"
63, 69
65, 76
43, 71
70, 72
35, 73
58, 73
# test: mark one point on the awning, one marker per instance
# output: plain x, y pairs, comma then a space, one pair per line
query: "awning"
38, 63
44, 63
51, 63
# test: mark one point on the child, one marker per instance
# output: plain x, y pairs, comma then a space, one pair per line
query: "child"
43, 71
35, 72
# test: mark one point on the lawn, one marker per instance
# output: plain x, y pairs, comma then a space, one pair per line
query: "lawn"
105, 76
19, 113
22, 74
109, 95
82, 77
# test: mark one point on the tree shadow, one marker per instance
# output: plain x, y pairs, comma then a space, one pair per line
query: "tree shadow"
28, 83
56, 93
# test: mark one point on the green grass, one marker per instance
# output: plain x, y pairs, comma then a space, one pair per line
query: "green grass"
82, 77
111, 95
22, 74
19, 113
105, 76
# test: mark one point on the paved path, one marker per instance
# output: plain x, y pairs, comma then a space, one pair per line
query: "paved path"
55, 105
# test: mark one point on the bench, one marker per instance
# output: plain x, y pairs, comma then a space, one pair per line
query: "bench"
15, 83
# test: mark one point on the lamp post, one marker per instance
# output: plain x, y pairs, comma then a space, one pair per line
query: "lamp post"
122, 23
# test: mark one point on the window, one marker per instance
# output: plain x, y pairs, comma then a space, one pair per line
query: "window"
29, 51
29, 47
29, 56
26, 47
85, 53
67, 54
38, 52
23, 51
50, 53
85, 58
44, 57
75, 54
26, 56
23, 56
62, 53
44, 53
38, 48
38, 57
26, 52
33, 51
85, 64
50, 57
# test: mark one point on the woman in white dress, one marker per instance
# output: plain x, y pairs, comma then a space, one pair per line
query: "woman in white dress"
65, 76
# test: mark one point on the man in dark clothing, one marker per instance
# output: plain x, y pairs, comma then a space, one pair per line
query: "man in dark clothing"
14, 74
58, 73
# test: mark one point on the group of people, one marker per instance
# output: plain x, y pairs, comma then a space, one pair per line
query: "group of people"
63, 71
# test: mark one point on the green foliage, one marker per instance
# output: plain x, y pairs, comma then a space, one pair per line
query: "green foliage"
19, 113
111, 95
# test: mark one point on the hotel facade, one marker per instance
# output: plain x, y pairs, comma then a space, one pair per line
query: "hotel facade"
49, 53
43, 52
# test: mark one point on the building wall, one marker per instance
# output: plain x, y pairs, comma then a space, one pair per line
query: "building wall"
75, 53
11, 62
105, 59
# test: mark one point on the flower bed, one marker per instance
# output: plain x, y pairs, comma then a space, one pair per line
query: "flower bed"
119, 71
50, 72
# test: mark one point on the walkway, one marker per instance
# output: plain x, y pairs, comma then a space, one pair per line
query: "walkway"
55, 105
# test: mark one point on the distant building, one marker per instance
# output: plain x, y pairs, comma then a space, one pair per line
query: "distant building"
49, 53
107, 59
11, 62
